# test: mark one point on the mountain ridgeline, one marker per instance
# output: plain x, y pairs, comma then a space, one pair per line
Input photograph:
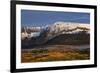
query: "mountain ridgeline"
60, 33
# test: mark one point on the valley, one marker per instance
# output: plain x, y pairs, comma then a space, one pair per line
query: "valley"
55, 53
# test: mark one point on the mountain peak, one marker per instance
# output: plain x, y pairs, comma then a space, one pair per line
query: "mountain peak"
68, 27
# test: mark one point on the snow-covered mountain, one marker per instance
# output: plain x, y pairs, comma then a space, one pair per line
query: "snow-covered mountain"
67, 27
56, 29
58, 33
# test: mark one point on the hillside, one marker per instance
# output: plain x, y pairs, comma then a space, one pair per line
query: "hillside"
70, 39
63, 39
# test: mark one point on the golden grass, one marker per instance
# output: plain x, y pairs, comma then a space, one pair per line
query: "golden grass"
53, 55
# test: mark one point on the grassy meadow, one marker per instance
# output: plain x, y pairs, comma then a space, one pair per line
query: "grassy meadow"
54, 53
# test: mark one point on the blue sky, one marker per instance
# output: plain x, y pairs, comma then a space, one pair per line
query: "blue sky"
42, 18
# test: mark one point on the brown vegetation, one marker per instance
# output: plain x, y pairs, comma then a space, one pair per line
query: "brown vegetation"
54, 55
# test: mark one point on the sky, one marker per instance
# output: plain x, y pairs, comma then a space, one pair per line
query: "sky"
42, 18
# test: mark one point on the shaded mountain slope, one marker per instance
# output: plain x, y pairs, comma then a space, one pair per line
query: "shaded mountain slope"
63, 39
70, 39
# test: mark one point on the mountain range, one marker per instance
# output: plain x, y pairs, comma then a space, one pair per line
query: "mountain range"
60, 33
